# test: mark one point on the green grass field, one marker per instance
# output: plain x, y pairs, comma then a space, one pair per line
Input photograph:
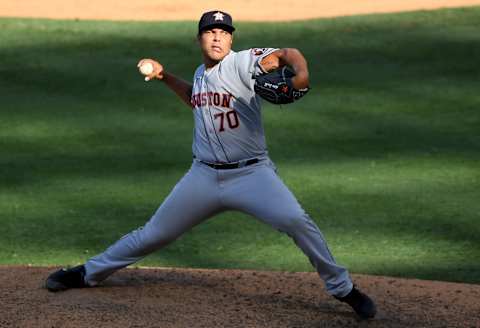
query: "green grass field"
383, 152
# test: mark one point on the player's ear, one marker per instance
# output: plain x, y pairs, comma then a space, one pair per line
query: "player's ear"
199, 37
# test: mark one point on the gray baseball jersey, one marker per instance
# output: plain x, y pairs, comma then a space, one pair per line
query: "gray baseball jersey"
228, 129
228, 121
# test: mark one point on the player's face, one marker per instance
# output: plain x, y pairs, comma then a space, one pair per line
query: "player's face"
215, 44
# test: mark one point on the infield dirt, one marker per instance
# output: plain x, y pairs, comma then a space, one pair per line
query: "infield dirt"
244, 10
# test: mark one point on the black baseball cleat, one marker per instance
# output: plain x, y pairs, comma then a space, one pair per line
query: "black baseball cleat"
360, 303
66, 278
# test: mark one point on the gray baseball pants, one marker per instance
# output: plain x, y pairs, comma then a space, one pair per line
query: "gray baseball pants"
204, 192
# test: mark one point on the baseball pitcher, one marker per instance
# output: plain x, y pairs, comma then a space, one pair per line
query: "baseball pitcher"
231, 169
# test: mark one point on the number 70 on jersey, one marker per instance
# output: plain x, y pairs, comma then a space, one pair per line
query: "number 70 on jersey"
229, 118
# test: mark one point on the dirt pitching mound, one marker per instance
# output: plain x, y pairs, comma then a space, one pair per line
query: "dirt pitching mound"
228, 298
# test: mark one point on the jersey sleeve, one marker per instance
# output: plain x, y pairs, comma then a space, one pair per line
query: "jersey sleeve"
248, 64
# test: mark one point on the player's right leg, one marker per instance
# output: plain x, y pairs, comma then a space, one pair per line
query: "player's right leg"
194, 199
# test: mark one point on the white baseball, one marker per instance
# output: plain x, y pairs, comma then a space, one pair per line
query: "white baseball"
146, 69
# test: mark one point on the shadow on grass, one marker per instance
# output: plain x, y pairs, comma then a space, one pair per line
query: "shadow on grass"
403, 87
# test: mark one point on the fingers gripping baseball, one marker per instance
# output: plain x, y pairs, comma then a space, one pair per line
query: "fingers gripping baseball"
150, 68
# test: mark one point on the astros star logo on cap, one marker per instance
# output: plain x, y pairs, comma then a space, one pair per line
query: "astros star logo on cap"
218, 16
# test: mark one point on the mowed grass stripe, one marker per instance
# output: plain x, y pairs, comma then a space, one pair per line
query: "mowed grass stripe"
383, 152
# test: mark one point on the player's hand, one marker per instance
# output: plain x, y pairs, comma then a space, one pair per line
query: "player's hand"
156, 69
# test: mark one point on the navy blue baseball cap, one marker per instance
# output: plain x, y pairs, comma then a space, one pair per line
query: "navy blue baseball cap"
215, 19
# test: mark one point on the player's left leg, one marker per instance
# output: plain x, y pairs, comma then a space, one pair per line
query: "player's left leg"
261, 193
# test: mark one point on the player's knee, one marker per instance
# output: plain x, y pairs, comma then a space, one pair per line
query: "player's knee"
155, 239
292, 223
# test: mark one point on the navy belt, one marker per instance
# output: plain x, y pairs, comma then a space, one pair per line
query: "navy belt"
229, 166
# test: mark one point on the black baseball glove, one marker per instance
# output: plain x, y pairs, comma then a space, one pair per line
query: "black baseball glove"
276, 87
